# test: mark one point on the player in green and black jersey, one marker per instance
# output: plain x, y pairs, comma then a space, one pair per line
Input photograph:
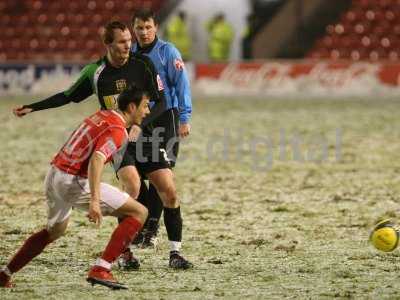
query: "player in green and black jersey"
107, 78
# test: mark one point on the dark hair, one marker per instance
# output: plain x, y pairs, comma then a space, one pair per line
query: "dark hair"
144, 15
108, 36
132, 94
182, 15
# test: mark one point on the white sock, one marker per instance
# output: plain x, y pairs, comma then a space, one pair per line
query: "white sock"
175, 246
6, 271
102, 263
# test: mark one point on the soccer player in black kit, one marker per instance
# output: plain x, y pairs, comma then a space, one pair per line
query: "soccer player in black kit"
107, 78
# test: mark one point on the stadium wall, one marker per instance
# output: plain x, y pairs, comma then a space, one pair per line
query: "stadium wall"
300, 78
22, 79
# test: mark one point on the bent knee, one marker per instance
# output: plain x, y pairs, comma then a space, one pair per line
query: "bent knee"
143, 211
171, 198
130, 181
138, 211
132, 189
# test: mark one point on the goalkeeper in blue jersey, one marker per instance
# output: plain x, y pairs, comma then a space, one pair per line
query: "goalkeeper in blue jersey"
173, 124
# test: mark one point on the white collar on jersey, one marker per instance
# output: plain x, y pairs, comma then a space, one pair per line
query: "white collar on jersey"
116, 113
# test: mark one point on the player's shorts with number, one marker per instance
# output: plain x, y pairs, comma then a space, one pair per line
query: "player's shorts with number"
148, 157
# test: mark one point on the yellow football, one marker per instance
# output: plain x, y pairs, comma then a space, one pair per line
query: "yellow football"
384, 236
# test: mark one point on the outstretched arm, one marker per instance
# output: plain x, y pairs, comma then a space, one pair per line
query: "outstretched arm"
56, 100
80, 90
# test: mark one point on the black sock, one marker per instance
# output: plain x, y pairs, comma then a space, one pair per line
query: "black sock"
155, 204
143, 197
173, 223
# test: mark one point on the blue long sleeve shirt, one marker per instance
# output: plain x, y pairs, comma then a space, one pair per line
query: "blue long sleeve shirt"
169, 65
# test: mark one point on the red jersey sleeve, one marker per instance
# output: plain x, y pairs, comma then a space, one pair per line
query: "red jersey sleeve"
111, 141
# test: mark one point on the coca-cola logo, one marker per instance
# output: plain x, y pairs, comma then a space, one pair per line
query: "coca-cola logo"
281, 78
329, 75
268, 74
275, 74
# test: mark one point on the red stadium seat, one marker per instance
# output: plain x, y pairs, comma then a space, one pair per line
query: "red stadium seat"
362, 28
109, 5
5, 20
22, 20
97, 20
42, 19
15, 45
37, 5
382, 28
60, 18
393, 55
79, 19
129, 5
349, 42
84, 32
91, 5
3, 6
56, 7
350, 16
396, 29
90, 45
10, 32
337, 54
385, 42
369, 29
34, 44
72, 45
65, 31
40, 29
364, 4
355, 55
390, 16
52, 44
377, 54
72, 7
385, 4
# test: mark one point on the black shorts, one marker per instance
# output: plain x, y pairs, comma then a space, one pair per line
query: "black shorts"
159, 148
169, 123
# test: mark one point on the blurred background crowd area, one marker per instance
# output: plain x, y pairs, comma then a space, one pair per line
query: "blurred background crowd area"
207, 31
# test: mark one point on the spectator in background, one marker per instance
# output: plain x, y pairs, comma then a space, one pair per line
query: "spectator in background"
177, 33
220, 38
247, 36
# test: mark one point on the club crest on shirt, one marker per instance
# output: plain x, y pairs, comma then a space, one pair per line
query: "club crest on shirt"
120, 85
179, 64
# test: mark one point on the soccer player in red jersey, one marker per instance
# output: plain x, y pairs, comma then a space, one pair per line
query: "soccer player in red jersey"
106, 78
73, 180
